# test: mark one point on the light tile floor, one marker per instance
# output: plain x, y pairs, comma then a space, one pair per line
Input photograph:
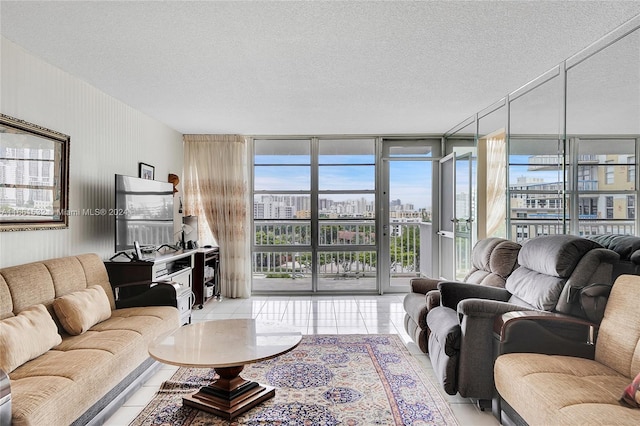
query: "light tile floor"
313, 315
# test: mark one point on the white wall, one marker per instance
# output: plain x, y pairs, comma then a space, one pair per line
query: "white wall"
107, 137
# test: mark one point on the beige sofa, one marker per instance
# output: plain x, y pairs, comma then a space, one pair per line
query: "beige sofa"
58, 378
571, 382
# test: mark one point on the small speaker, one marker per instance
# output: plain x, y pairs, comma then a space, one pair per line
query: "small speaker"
190, 230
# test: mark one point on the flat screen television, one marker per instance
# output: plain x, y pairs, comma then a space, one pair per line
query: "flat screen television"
143, 212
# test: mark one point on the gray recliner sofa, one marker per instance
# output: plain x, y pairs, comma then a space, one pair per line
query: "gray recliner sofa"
552, 273
492, 261
627, 246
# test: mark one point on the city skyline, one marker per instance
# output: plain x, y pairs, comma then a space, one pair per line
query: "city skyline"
284, 206
410, 181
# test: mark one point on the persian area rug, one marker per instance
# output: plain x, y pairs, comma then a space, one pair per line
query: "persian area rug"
328, 380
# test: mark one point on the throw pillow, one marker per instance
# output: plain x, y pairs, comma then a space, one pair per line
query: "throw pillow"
26, 336
81, 310
631, 395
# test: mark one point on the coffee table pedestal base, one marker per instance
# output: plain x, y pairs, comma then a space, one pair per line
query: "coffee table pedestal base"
230, 395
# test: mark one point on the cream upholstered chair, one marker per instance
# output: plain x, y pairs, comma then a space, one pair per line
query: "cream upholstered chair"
551, 378
492, 261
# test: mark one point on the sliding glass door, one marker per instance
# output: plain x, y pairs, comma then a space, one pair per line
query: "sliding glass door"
407, 192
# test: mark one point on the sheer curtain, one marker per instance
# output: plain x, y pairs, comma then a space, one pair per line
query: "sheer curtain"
216, 190
496, 184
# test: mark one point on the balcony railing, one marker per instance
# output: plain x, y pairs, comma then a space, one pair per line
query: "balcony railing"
347, 256
346, 250
523, 230
404, 248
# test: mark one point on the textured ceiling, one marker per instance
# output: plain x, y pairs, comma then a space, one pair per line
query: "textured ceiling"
308, 67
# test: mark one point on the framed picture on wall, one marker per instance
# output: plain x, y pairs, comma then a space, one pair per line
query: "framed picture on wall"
146, 171
34, 176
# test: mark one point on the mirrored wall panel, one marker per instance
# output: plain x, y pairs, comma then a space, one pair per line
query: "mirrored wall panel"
570, 144
603, 91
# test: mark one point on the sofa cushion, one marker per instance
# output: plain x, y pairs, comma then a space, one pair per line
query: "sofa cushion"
80, 310
555, 255
539, 291
627, 246
555, 390
26, 336
481, 254
6, 303
28, 285
82, 369
631, 394
492, 260
504, 259
546, 263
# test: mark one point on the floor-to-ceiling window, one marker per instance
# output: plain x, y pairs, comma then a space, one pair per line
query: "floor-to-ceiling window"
346, 215
314, 215
282, 251
585, 187
318, 218
536, 187
605, 186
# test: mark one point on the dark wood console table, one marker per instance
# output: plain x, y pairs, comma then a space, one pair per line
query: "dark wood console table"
175, 266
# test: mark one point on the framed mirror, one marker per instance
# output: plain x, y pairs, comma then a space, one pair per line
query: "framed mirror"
34, 176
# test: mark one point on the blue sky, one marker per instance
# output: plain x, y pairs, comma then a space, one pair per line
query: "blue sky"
410, 180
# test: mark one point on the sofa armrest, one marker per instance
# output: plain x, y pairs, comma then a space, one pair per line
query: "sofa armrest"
135, 284
451, 293
593, 300
546, 333
596, 266
5, 399
444, 346
423, 285
433, 299
163, 293
445, 328
486, 308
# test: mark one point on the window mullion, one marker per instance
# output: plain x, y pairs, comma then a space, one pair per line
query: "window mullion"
315, 226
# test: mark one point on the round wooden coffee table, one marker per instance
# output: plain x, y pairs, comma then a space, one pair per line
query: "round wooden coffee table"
227, 346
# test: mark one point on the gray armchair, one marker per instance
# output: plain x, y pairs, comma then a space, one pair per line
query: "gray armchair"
553, 271
492, 261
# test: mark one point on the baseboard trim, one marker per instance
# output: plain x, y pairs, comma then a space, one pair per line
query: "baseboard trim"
509, 416
116, 397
